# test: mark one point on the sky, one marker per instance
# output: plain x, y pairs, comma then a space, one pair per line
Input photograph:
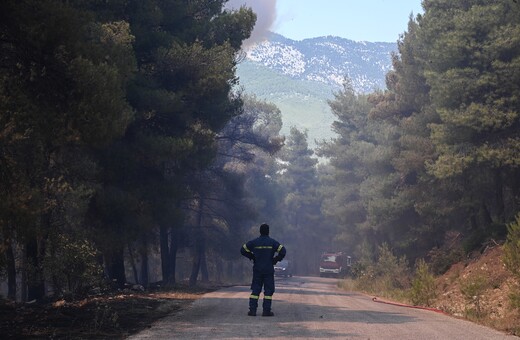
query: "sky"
359, 20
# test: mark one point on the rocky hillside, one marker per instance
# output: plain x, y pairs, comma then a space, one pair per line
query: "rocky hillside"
327, 60
300, 76
479, 289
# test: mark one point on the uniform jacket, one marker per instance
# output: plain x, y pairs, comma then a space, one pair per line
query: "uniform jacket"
261, 250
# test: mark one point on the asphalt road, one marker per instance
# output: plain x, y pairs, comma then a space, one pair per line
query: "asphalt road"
310, 308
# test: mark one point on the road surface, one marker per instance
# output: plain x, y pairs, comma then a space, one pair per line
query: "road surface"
310, 308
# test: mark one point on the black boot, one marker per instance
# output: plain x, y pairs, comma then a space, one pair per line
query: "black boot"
251, 312
267, 313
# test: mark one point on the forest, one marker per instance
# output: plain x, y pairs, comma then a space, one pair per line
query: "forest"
126, 144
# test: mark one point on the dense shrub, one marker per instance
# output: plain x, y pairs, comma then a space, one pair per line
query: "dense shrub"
450, 251
71, 265
512, 256
423, 290
473, 289
388, 273
440, 259
392, 268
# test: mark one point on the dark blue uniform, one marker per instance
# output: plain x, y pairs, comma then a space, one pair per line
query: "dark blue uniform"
262, 250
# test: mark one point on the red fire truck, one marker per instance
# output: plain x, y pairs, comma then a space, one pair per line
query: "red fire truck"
336, 264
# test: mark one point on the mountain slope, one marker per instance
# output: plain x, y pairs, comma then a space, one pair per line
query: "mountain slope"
327, 60
301, 76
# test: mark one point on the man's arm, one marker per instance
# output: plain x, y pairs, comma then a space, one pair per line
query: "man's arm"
281, 253
246, 252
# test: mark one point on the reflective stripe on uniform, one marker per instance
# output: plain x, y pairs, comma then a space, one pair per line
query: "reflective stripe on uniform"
263, 247
268, 297
244, 246
279, 248
254, 297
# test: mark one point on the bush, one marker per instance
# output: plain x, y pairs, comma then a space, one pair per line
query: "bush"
472, 289
71, 265
511, 256
358, 269
512, 248
515, 300
442, 259
395, 270
385, 276
365, 277
423, 290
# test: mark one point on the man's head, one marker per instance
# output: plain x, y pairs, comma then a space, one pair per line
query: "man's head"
264, 229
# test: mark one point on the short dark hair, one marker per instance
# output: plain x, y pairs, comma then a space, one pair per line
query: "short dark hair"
264, 229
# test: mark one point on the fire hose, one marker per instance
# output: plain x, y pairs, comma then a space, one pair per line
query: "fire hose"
375, 299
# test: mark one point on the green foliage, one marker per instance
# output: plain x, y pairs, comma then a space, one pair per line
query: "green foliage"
437, 150
393, 269
136, 91
423, 290
442, 259
473, 288
387, 276
181, 94
477, 119
476, 239
301, 201
72, 266
344, 203
512, 248
359, 270
233, 27
515, 299
124, 106
366, 278
511, 257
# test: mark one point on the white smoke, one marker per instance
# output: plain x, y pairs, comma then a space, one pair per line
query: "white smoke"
265, 11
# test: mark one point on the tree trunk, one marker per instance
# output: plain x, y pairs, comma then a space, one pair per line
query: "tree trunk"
219, 269
499, 192
132, 263
35, 282
197, 254
195, 268
23, 279
485, 217
165, 254
116, 267
144, 263
174, 247
11, 271
204, 274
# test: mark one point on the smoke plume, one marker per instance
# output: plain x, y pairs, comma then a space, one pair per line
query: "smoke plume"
265, 11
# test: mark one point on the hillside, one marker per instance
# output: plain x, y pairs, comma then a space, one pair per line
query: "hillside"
303, 103
301, 76
478, 289
327, 60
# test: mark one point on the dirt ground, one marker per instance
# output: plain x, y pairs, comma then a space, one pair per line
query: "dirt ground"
113, 316
491, 286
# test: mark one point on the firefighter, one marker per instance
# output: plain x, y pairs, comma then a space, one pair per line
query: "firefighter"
261, 251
